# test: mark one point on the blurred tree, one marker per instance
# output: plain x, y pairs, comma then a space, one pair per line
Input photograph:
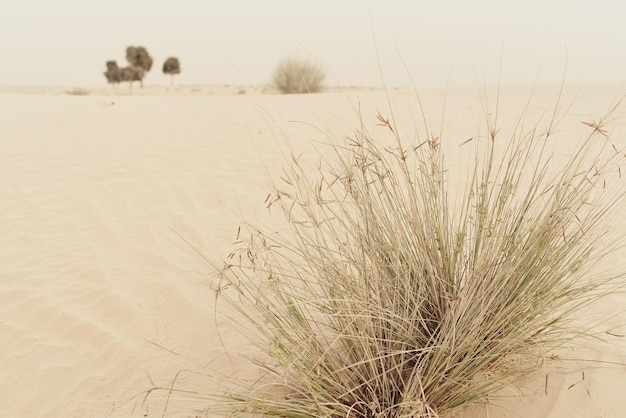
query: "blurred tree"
171, 66
113, 73
132, 73
139, 59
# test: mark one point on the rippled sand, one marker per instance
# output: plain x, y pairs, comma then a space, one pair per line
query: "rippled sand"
109, 202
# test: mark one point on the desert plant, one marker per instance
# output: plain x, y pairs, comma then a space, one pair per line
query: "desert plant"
77, 92
131, 74
139, 58
113, 73
388, 299
171, 66
295, 75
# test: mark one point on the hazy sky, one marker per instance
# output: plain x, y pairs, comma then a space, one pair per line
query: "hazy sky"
66, 42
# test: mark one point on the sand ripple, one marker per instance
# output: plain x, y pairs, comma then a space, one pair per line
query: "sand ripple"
101, 298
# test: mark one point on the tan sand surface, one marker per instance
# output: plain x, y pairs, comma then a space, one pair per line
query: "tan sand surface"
109, 201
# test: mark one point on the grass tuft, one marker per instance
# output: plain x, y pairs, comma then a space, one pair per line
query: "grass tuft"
296, 75
389, 299
78, 92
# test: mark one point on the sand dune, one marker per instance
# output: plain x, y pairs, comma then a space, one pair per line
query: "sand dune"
109, 200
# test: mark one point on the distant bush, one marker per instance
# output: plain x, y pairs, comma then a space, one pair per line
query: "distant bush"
171, 66
113, 73
132, 73
295, 75
140, 62
78, 92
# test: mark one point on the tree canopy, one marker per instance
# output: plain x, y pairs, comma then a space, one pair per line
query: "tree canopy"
140, 62
171, 66
139, 57
132, 73
113, 73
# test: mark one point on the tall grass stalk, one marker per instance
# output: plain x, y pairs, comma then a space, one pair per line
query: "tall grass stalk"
387, 298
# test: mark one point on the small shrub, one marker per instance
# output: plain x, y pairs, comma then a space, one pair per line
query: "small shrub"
386, 299
78, 92
295, 75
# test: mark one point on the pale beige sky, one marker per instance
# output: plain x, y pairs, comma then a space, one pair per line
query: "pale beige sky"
66, 42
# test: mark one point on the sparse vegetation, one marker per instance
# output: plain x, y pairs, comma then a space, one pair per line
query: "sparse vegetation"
113, 73
296, 75
132, 73
77, 92
140, 62
171, 66
387, 299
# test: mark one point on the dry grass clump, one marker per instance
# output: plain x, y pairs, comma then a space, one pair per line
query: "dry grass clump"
389, 299
296, 75
78, 92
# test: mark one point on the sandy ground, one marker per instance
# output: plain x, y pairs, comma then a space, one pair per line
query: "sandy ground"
110, 200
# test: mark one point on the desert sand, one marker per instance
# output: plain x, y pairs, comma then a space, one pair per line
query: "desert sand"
112, 205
